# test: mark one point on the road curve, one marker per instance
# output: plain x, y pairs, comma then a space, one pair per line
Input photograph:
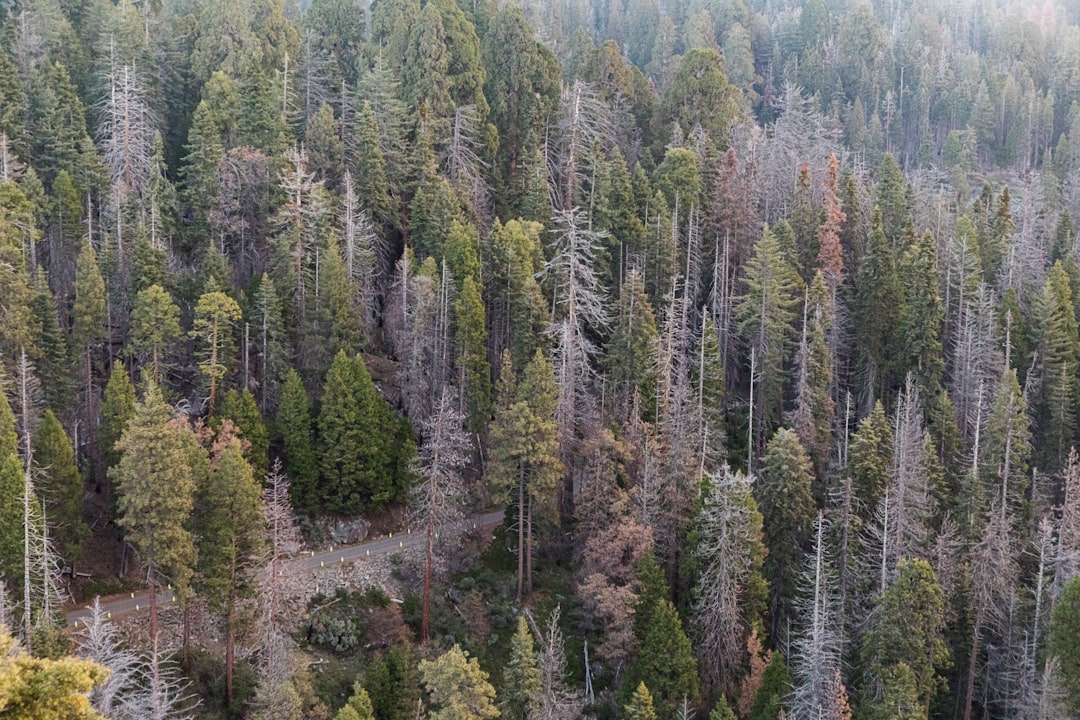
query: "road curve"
117, 606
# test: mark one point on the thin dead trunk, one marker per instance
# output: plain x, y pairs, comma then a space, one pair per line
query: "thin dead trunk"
521, 530
425, 616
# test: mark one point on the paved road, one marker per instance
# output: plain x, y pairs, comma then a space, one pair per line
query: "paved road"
120, 605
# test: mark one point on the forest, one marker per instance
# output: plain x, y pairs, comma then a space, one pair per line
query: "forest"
600, 359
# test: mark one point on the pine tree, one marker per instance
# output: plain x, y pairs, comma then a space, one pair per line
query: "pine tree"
458, 688
522, 680
60, 487
787, 506
238, 407
640, 705
270, 349
216, 316
666, 659
155, 329
1058, 356
229, 525
771, 698
295, 427
156, 486
358, 433
524, 465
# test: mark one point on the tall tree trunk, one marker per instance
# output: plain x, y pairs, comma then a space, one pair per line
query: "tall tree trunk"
425, 615
521, 530
972, 662
230, 650
528, 553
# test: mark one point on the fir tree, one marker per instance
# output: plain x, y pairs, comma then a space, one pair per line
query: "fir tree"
892, 199
88, 323
1058, 355
240, 409
60, 487
666, 659
53, 361
921, 316
471, 340
1064, 639
116, 411
371, 169
877, 306
787, 505
357, 707
295, 428
631, 352
870, 460
640, 705
156, 485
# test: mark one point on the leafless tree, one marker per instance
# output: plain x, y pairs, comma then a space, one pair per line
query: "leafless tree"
437, 499
1067, 555
817, 646
557, 701
584, 124
465, 168
98, 640
729, 527
363, 250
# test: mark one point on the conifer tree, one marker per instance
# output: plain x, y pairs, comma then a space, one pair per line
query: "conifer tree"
766, 316
229, 524
870, 460
631, 351
60, 486
814, 408
1064, 640
53, 362
216, 316
731, 593
524, 462
458, 688
238, 407
341, 321
877, 306
1006, 448
155, 329
11, 490
295, 428
520, 698
892, 199
358, 432
518, 306
471, 341
269, 337
666, 659
787, 507
156, 485
921, 316
116, 411
326, 149
357, 707
88, 324
425, 73
371, 168
1058, 356
200, 172
640, 705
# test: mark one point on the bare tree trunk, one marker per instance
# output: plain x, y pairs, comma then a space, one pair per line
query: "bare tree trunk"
521, 530
528, 554
230, 650
425, 615
972, 662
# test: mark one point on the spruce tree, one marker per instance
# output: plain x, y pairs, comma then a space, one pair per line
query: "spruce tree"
786, 501
295, 428
60, 487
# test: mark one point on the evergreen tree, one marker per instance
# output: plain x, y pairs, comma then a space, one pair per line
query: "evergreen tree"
458, 688
156, 484
155, 329
870, 460
199, 174
425, 73
371, 169
358, 433
88, 323
522, 680
240, 409
229, 525
269, 337
11, 492
877, 308
907, 636
392, 686
631, 352
341, 320
1064, 639
699, 94
1058, 356
787, 506
295, 428
116, 412
814, 408
34, 688
892, 199
471, 340
357, 707
770, 699
53, 362
524, 465
60, 486
666, 659
921, 317
326, 149
216, 316
640, 705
